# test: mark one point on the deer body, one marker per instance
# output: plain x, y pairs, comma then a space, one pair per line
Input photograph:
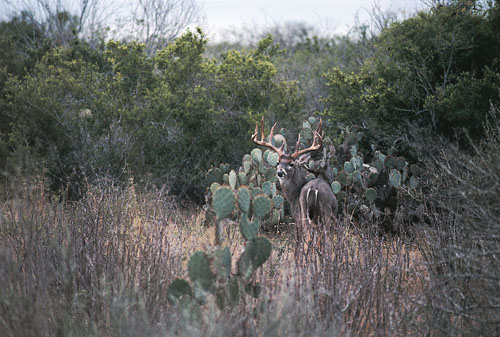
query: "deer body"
311, 201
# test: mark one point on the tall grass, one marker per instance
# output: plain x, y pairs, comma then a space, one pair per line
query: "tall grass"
101, 266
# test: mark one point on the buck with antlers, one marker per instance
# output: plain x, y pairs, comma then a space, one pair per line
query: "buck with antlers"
312, 202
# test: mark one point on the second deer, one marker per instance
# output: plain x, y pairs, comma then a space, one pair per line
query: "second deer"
312, 202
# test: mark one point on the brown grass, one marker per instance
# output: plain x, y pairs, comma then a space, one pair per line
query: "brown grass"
101, 267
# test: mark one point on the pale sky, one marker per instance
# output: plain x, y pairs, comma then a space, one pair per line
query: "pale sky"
331, 16
336, 15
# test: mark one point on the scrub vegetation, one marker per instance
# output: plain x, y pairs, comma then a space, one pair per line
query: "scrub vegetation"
133, 202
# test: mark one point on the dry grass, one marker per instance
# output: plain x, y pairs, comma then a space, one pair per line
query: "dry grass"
101, 267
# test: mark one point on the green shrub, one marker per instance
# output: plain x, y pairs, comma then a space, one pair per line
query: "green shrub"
84, 114
439, 68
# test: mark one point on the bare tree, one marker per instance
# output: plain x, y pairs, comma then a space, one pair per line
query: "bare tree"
157, 22
153, 22
61, 21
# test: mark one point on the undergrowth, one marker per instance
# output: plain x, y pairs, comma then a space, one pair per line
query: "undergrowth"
101, 266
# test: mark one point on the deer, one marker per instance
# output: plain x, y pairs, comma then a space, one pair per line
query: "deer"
311, 202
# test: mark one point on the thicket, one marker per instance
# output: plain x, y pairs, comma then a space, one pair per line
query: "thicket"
439, 68
84, 113
79, 112
121, 134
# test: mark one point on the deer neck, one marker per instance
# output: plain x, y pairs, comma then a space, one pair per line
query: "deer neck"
292, 186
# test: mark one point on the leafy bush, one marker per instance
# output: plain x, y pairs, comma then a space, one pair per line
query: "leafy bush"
84, 114
436, 68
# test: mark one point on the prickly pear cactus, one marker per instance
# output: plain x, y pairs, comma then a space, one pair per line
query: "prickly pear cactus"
223, 201
256, 253
257, 174
249, 196
371, 185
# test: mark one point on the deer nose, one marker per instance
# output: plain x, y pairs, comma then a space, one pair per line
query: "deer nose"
281, 173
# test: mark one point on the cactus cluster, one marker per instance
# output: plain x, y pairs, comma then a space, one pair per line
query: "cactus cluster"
257, 175
368, 185
210, 272
248, 196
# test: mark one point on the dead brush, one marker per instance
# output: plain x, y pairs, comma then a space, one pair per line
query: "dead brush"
81, 266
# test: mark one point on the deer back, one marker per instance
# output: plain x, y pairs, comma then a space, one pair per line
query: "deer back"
317, 202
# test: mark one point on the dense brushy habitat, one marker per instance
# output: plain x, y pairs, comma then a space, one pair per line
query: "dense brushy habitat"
111, 156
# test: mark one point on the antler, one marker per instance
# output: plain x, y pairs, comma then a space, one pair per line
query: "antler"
316, 144
264, 143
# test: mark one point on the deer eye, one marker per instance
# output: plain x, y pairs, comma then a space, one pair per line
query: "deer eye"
291, 164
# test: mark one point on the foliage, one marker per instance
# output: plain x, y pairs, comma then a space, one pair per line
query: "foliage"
368, 179
83, 113
210, 271
437, 68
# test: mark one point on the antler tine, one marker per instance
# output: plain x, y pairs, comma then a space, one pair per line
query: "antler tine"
297, 145
271, 133
319, 129
262, 129
316, 143
262, 142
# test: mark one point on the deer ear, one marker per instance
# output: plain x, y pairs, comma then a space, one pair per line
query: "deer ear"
304, 159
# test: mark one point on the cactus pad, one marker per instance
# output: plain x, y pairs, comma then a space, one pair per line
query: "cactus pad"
256, 155
177, 289
271, 174
278, 140
336, 186
348, 167
272, 158
356, 177
278, 200
356, 162
390, 162
242, 178
214, 187
261, 205
223, 202
306, 134
200, 273
267, 188
222, 262
414, 182
214, 175
249, 229
247, 163
257, 251
224, 167
400, 163
244, 197
395, 178
232, 179
256, 191
371, 194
